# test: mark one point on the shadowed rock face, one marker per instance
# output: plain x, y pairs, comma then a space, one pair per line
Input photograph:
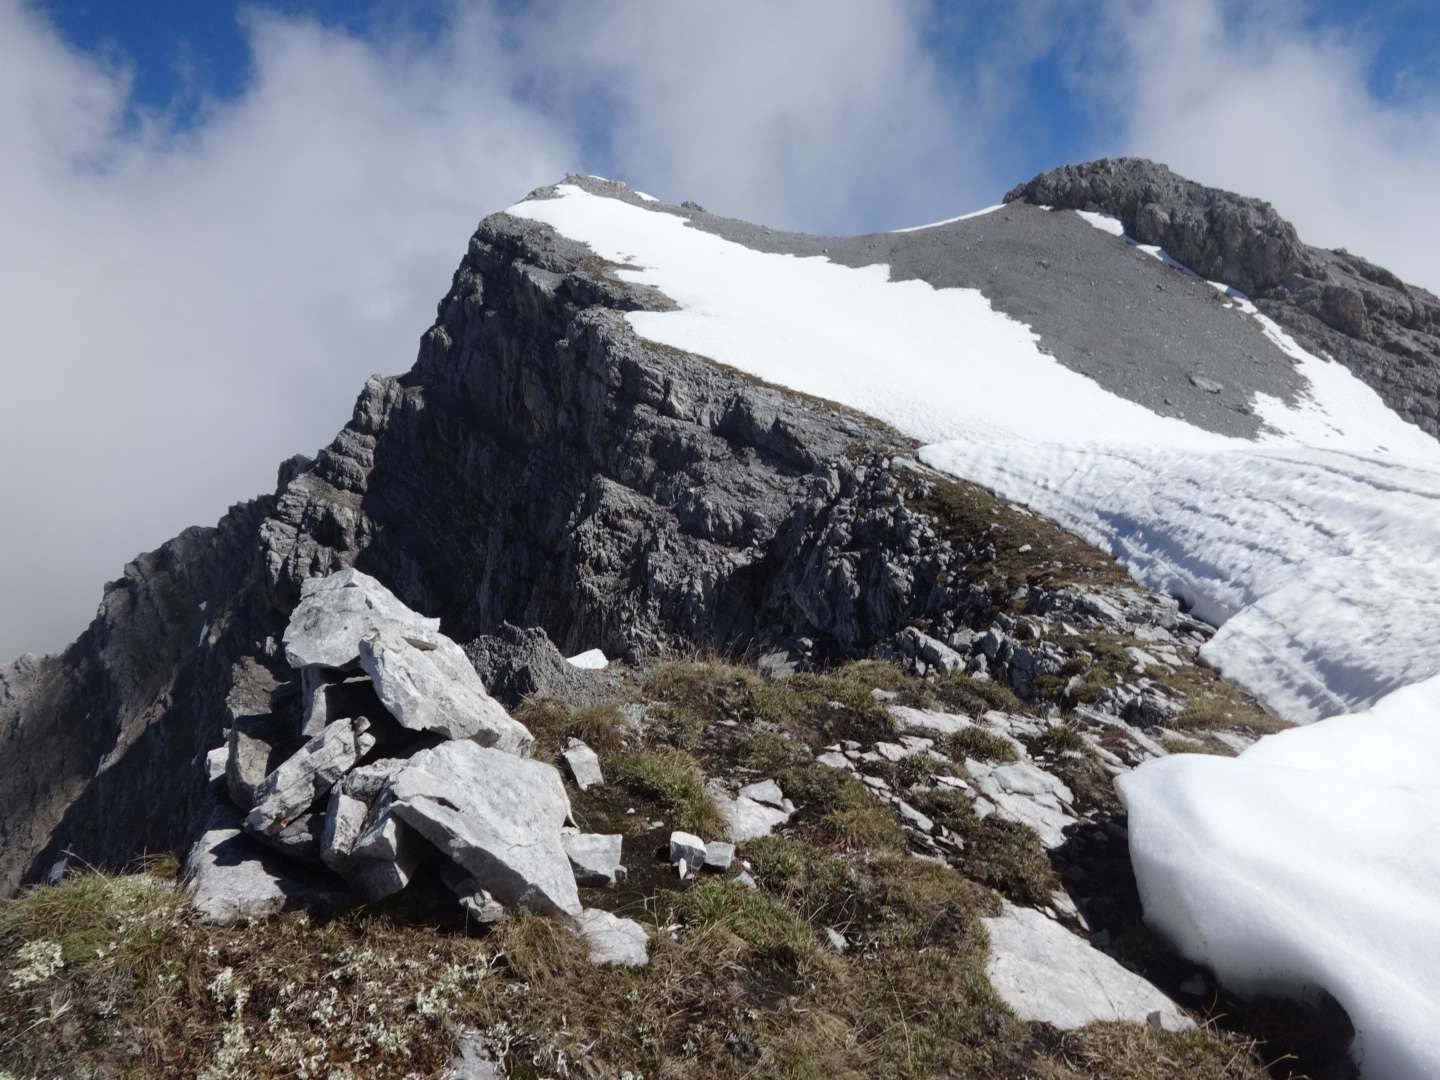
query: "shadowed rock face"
1332, 302
539, 465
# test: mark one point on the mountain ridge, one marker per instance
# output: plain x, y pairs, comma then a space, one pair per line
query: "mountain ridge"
714, 474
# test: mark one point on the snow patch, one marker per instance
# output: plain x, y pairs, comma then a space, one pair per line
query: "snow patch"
590, 660
646, 198
1310, 861
952, 220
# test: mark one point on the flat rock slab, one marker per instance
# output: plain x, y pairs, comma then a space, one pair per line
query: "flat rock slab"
928, 720
1047, 974
1024, 793
498, 816
613, 940
337, 611
229, 876
428, 684
747, 818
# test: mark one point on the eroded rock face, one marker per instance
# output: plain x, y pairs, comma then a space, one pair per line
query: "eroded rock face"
1334, 303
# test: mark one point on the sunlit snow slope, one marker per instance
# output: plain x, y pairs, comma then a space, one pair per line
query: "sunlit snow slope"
1303, 547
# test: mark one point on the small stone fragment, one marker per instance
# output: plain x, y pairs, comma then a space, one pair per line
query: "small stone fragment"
687, 846
613, 940
719, 855
595, 858
584, 765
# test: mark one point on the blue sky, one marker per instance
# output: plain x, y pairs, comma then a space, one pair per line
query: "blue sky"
184, 55
231, 214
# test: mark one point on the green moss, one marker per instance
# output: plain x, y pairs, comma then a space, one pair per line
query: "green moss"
981, 745
961, 693
675, 780
553, 723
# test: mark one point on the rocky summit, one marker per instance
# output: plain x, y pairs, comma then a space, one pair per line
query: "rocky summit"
829, 786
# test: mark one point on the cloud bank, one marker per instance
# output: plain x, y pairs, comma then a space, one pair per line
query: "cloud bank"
191, 297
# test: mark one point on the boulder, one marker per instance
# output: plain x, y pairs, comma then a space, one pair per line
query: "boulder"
595, 857
336, 611
308, 774
228, 877
516, 663
427, 684
496, 815
1048, 975
584, 765
613, 940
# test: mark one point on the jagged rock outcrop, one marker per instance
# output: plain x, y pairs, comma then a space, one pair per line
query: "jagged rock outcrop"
540, 465
1333, 302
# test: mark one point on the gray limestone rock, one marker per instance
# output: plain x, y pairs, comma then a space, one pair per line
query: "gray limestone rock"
584, 765
719, 855
496, 815
1025, 793
613, 940
1048, 975
516, 663
307, 775
687, 846
427, 684
330, 696
595, 858
255, 747
228, 876
337, 611
475, 1059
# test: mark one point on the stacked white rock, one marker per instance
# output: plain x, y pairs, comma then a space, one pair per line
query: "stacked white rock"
401, 759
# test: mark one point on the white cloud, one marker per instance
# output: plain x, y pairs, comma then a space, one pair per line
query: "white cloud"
182, 312
822, 115
185, 306
1263, 101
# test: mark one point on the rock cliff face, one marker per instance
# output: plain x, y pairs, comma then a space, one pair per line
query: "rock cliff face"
540, 465
1332, 302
